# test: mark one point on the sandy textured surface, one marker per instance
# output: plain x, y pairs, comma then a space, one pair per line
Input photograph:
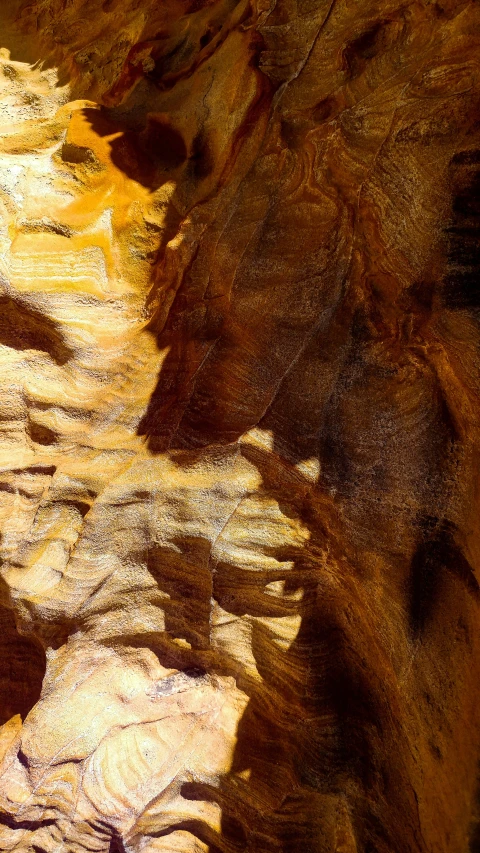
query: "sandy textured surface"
239, 426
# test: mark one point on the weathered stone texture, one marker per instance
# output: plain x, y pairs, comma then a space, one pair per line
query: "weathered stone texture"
239, 414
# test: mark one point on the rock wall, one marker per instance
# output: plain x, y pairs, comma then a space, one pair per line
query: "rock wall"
239, 412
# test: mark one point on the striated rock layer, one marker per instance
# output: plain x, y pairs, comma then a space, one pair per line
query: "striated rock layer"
239, 410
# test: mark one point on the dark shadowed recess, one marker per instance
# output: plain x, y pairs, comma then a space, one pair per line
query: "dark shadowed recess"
24, 327
32, 825
461, 288
22, 668
148, 154
116, 844
436, 556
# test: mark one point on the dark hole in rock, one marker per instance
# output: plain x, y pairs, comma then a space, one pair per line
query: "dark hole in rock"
41, 434
363, 48
22, 668
461, 289
116, 844
206, 38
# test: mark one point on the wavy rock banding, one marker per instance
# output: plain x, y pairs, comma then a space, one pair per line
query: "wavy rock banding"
239, 385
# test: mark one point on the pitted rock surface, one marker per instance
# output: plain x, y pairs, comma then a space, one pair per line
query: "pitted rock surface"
239, 426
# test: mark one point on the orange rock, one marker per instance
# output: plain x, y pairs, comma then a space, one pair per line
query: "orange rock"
239, 430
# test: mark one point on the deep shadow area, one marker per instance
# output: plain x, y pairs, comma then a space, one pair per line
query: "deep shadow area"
116, 844
461, 286
149, 154
24, 326
320, 730
436, 554
22, 668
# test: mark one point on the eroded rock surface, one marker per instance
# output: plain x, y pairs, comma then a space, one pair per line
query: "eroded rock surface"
239, 410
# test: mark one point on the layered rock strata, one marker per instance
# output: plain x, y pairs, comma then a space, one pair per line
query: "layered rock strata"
239, 411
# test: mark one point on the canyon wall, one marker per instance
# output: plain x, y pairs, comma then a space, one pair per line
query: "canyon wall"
239, 413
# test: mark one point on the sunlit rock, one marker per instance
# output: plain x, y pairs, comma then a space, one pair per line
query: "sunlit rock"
239, 426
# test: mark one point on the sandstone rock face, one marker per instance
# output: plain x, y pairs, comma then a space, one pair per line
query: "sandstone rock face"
239, 410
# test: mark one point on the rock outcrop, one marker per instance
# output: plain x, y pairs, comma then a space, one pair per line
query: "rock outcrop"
240, 426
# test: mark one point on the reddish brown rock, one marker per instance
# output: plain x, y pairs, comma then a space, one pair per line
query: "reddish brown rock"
239, 332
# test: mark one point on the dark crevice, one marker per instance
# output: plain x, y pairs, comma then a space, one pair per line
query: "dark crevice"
24, 327
41, 434
22, 669
32, 825
45, 470
461, 284
116, 844
436, 554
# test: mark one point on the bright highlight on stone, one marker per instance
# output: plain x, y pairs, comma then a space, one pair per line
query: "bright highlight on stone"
239, 426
